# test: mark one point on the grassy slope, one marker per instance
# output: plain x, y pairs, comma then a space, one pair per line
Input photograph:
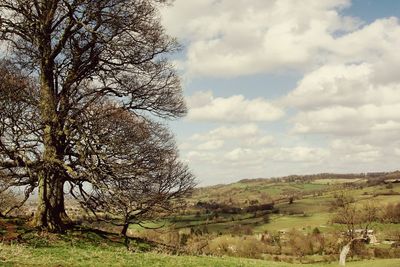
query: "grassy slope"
74, 252
112, 256
315, 208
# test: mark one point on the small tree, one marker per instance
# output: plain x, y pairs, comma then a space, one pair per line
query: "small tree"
352, 216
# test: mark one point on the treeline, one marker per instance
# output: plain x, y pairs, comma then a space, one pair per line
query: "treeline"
230, 209
312, 177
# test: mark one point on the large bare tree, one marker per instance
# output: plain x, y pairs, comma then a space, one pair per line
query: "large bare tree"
76, 56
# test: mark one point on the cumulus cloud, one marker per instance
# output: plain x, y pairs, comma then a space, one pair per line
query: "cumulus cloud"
211, 145
301, 154
246, 136
246, 145
343, 113
243, 131
230, 38
276, 154
345, 99
203, 106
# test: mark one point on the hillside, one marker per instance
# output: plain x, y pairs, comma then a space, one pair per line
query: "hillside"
275, 189
284, 222
278, 215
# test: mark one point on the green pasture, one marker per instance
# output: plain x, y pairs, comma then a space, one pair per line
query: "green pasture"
67, 255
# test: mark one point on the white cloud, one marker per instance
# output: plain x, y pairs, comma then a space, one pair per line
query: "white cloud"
234, 38
244, 131
374, 43
387, 126
258, 141
343, 113
230, 38
300, 154
246, 136
203, 106
332, 85
263, 156
211, 145
243, 155
344, 100
354, 150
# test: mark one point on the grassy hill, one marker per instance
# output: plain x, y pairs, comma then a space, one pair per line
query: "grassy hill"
226, 221
310, 206
231, 218
66, 255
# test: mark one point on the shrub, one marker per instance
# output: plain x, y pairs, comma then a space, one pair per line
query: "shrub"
248, 247
331, 245
316, 231
266, 218
381, 252
197, 245
395, 252
389, 186
272, 250
391, 213
298, 243
359, 248
242, 230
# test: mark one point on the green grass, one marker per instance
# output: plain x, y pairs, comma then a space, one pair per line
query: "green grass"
306, 213
285, 222
89, 248
64, 255
240, 192
338, 181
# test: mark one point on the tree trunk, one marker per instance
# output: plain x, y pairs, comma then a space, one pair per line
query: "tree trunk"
346, 249
50, 214
124, 232
343, 254
125, 229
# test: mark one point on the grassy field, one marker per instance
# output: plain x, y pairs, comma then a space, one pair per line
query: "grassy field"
311, 209
240, 192
283, 222
66, 255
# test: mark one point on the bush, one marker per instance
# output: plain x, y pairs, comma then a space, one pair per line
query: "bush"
359, 248
331, 245
316, 231
391, 213
381, 253
266, 218
389, 186
395, 253
197, 245
247, 247
242, 230
298, 243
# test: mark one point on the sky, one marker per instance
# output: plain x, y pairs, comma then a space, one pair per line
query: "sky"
285, 87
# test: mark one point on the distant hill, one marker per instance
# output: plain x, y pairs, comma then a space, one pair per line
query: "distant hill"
263, 190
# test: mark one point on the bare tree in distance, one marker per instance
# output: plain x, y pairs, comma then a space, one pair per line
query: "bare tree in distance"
354, 217
74, 55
